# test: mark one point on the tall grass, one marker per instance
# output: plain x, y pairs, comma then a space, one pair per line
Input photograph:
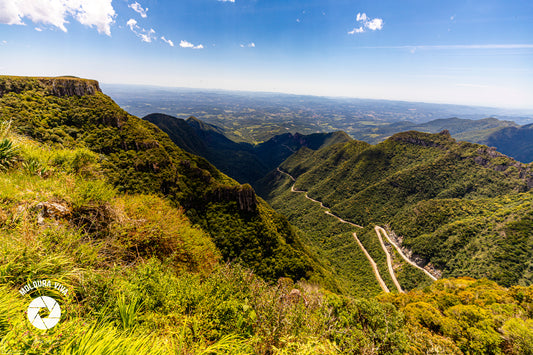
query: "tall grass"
128, 310
105, 339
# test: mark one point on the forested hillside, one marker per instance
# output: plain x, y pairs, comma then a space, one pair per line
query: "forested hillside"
461, 208
137, 157
244, 162
137, 231
516, 142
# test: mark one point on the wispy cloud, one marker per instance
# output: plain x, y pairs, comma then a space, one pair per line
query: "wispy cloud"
168, 41
139, 9
91, 13
185, 44
249, 45
364, 23
144, 34
38, 29
226, 0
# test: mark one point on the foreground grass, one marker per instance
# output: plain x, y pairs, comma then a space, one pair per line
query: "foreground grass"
141, 279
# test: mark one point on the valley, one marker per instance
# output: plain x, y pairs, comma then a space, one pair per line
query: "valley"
255, 118
378, 230
242, 177
172, 238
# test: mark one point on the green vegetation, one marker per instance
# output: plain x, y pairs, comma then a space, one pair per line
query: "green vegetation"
516, 142
463, 208
333, 242
145, 267
134, 156
244, 162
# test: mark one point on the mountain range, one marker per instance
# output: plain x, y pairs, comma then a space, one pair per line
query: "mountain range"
244, 162
418, 244
432, 174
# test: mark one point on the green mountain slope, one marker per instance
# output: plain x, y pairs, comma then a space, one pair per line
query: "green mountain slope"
137, 157
234, 159
516, 142
460, 207
242, 161
141, 278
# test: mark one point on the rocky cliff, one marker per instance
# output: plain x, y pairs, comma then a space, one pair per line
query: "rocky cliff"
55, 86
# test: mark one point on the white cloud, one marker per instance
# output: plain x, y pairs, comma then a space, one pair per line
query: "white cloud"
168, 41
452, 17
97, 13
366, 23
139, 9
4, 42
226, 0
38, 29
144, 34
375, 24
249, 45
132, 24
185, 44
356, 30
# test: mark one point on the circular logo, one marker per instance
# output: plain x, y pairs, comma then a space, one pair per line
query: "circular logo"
54, 312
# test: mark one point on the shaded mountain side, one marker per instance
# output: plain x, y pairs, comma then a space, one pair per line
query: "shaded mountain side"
274, 151
389, 183
242, 161
137, 157
516, 142
234, 159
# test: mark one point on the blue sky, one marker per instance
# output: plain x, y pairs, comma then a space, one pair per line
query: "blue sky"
467, 52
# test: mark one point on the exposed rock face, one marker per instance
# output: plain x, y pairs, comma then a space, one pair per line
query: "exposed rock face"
60, 86
70, 87
417, 259
244, 195
489, 157
424, 139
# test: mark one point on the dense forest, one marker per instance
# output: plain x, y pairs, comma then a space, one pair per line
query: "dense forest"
464, 209
162, 253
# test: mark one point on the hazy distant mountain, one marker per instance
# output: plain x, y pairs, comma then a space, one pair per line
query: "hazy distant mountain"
469, 130
256, 117
242, 161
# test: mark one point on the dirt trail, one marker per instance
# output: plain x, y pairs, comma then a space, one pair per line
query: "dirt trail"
404, 256
372, 262
379, 230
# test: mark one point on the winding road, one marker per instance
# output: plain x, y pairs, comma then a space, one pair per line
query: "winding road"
389, 258
379, 231
372, 262
399, 250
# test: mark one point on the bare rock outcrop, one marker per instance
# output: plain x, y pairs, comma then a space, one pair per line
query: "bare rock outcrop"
56, 86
